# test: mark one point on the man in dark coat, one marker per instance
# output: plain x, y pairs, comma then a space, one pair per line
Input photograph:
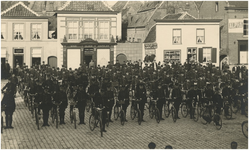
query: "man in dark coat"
46, 105
161, 99
177, 96
109, 100
81, 98
8, 102
124, 96
141, 95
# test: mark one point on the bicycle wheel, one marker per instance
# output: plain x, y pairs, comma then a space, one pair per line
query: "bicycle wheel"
246, 110
157, 115
196, 114
217, 121
173, 111
37, 119
184, 110
228, 112
122, 117
101, 126
204, 115
74, 119
116, 111
139, 118
133, 113
92, 122
245, 128
166, 110
151, 113
56, 120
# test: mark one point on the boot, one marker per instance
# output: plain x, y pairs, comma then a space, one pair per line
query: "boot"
61, 120
7, 121
10, 122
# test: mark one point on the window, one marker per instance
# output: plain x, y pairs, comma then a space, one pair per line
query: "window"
192, 54
216, 6
200, 36
206, 55
245, 27
139, 40
36, 31
3, 31
18, 31
72, 29
177, 36
172, 55
90, 7
104, 30
88, 30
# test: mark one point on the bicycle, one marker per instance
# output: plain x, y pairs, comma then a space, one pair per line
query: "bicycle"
227, 109
119, 112
55, 113
208, 118
88, 105
72, 113
135, 111
153, 110
244, 126
31, 97
96, 119
170, 104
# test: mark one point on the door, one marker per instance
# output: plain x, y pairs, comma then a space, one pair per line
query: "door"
18, 59
36, 61
88, 59
52, 61
121, 58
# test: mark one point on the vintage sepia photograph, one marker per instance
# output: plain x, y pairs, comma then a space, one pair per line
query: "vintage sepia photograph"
124, 74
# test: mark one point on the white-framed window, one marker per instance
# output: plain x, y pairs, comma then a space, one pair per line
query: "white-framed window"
200, 36
36, 31
192, 54
177, 33
3, 31
18, 31
207, 57
245, 27
88, 30
104, 30
172, 55
72, 29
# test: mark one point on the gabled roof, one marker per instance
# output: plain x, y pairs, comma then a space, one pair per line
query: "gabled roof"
179, 16
151, 37
19, 10
140, 19
198, 4
7, 4
119, 5
86, 6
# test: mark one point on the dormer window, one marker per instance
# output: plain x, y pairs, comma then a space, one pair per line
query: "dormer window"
90, 7
216, 6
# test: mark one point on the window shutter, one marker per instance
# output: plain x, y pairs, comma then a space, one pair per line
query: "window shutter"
213, 53
200, 55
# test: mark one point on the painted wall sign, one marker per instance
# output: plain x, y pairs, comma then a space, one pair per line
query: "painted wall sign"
18, 50
150, 45
235, 25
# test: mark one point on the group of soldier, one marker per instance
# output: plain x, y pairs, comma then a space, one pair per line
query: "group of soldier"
139, 80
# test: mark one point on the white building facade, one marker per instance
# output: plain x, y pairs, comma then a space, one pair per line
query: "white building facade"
187, 40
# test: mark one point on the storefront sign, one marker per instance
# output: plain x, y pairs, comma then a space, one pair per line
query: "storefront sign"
150, 45
18, 50
235, 25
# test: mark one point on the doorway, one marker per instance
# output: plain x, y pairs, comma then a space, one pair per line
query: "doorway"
88, 59
18, 59
52, 61
36, 61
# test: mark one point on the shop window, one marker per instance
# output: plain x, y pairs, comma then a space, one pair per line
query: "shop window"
243, 50
177, 36
192, 54
72, 29
104, 30
18, 31
245, 27
36, 31
207, 55
3, 31
172, 55
200, 36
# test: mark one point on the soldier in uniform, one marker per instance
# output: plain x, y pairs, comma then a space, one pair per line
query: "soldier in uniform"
124, 96
160, 96
177, 96
141, 95
46, 105
109, 100
81, 98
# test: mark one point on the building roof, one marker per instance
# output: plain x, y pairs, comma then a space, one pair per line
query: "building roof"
119, 5
140, 19
150, 5
19, 10
179, 16
39, 6
238, 4
7, 4
188, 20
151, 37
86, 6
198, 4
